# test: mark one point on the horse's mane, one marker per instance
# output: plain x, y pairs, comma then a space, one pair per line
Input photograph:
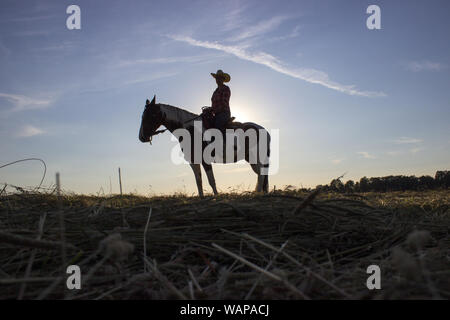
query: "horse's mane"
177, 114
182, 117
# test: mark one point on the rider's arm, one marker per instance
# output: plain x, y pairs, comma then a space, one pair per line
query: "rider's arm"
225, 95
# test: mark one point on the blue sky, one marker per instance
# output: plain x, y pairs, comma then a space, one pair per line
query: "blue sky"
345, 98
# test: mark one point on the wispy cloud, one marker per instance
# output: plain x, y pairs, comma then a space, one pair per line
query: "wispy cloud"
366, 155
414, 144
415, 150
167, 60
407, 140
404, 152
293, 34
234, 18
151, 77
336, 161
417, 66
21, 102
260, 28
29, 131
309, 75
394, 153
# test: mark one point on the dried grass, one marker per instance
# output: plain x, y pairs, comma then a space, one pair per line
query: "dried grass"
284, 245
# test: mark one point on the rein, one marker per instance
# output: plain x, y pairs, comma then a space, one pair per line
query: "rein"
164, 130
193, 119
156, 133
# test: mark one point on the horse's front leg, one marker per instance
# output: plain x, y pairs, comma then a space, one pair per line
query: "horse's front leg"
210, 175
198, 178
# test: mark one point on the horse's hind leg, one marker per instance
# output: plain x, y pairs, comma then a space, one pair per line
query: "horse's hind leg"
198, 178
260, 182
210, 175
265, 184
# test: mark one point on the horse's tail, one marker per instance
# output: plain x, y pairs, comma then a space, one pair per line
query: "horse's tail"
263, 164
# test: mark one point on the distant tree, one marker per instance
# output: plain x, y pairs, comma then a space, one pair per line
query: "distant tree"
364, 184
376, 184
324, 187
349, 186
426, 183
337, 185
391, 183
442, 179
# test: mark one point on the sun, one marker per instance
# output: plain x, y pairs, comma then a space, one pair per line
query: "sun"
241, 113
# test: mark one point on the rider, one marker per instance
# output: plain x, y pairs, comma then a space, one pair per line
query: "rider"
220, 100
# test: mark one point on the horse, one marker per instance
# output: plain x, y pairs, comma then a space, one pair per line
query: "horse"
173, 118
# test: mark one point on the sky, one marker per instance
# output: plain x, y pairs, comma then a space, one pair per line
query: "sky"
345, 99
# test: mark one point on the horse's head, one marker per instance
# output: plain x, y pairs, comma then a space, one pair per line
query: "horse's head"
152, 119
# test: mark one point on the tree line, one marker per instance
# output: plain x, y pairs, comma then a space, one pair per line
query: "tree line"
441, 180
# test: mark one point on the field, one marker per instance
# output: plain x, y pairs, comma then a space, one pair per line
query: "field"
284, 245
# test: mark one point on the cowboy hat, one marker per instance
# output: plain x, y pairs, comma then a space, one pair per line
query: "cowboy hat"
225, 76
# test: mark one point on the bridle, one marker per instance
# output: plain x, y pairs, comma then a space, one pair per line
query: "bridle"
164, 130
156, 133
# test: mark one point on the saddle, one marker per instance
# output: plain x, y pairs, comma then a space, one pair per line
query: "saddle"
208, 120
233, 124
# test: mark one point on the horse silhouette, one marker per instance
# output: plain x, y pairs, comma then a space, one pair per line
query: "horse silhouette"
173, 118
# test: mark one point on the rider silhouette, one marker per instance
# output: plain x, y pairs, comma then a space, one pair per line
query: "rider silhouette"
220, 100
